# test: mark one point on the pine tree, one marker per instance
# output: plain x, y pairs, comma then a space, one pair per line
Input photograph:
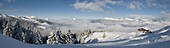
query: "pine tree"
52, 38
23, 37
104, 35
38, 38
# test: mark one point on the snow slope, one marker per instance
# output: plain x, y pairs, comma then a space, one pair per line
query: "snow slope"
110, 36
7, 42
158, 39
122, 39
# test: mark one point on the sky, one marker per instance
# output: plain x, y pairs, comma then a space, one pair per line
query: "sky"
85, 8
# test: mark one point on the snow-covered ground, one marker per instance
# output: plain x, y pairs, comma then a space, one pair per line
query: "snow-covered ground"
158, 39
7, 42
111, 36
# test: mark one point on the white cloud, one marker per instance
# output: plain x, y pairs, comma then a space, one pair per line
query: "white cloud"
101, 5
131, 15
8, 10
110, 25
142, 16
165, 15
157, 4
133, 6
10, 0
96, 5
88, 6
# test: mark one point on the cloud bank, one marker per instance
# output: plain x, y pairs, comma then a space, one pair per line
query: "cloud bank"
165, 15
109, 5
130, 24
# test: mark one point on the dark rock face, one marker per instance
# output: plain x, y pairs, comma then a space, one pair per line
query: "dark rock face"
28, 32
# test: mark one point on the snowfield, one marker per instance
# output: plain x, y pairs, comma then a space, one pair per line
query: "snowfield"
109, 36
158, 39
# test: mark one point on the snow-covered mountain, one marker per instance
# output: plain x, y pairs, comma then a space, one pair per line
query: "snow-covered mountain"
31, 30
78, 33
25, 30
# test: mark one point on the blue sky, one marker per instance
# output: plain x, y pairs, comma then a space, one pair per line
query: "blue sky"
85, 8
